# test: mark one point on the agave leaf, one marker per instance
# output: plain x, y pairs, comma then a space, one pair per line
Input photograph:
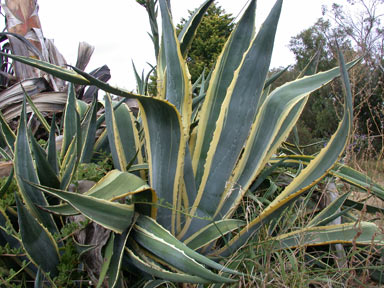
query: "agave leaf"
327, 213
6, 185
121, 126
360, 206
158, 283
363, 233
343, 172
10, 137
139, 260
233, 124
111, 215
52, 69
188, 192
113, 186
38, 283
81, 108
309, 70
129, 135
101, 119
213, 232
358, 179
165, 150
89, 128
202, 93
177, 89
37, 112
274, 77
148, 224
160, 72
51, 149
226, 65
101, 143
25, 170
120, 241
189, 30
108, 252
138, 167
139, 81
71, 156
5, 154
35, 239
309, 176
47, 175
5, 228
70, 126
173, 255
117, 150
67, 171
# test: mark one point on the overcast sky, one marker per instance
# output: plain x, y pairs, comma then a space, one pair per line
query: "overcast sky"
118, 29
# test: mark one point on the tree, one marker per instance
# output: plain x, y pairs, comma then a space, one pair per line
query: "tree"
359, 34
211, 36
361, 23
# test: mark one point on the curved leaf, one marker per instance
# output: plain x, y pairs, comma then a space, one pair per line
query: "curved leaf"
212, 232
138, 259
174, 255
148, 225
113, 186
111, 215
52, 69
364, 233
10, 137
309, 176
345, 173
189, 30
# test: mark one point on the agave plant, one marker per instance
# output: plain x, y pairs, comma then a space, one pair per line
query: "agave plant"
181, 170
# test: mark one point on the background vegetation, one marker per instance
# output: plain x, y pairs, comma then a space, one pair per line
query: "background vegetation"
189, 185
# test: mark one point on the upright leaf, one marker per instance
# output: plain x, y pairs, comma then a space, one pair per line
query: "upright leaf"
26, 170
226, 65
111, 215
235, 119
10, 137
51, 149
177, 87
89, 132
129, 136
115, 144
70, 127
47, 175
